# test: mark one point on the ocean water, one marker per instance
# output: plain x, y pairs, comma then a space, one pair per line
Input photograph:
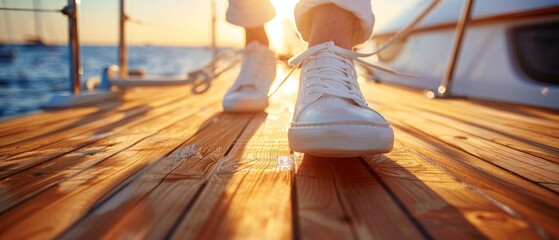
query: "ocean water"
27, 81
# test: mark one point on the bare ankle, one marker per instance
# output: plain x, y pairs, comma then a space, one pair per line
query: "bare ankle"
257, 34
331, 23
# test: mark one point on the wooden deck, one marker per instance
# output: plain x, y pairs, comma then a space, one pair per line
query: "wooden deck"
169, 164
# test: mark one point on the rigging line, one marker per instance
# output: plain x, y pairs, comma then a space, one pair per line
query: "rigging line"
400, 34
30, 10
407, 29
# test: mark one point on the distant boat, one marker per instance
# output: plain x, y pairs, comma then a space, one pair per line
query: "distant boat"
510, 51
35, 41
7, 54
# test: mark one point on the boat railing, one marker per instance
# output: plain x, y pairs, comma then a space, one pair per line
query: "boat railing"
75, 96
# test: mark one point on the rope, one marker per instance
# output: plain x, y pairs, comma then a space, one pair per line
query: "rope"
30, 10
202, 78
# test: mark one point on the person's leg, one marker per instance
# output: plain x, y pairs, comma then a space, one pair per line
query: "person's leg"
251, 15
332, 117
249, 93
317, 16
332, 23
256, 34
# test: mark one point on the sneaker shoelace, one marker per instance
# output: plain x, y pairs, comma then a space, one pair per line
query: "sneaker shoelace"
343, 55
297, 61
346, 75
338, 78
202, 78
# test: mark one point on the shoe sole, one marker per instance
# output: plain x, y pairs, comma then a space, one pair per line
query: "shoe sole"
341, 140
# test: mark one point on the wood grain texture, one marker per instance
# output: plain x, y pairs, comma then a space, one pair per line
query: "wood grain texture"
59, 207
69, 200
487, 134
168, 164
59, 120
445, 207
80, 127
340, 199
21, 186
84, 135
156, 199
512, 193
249, 197
531, 132
531, 167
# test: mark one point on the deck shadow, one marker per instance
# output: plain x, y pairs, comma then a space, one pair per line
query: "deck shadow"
158, 196
352, 199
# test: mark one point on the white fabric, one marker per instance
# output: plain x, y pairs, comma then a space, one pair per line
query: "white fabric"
250, 13
253, 13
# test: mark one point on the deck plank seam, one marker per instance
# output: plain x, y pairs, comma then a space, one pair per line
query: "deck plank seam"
342, 203
94, 115
524, 140
107, 157
295, 221
398, 202
527, 141
470, 114
137, 174
509, 210
545, 149
124, 120
205, 182
405, 126
149, 167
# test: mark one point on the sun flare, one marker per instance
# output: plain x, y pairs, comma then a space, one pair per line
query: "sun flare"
281, 30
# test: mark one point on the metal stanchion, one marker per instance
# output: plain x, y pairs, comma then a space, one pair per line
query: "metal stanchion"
74, 47
444, 89
76, 96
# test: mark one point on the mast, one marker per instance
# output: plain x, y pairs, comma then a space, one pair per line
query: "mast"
123, 66
214, 33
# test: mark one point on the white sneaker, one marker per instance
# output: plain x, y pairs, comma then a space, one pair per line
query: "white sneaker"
331, 117
249, 93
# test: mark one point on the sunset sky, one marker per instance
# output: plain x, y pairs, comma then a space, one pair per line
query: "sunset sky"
161, 22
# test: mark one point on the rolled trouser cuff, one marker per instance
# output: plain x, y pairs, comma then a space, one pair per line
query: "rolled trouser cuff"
249, 13
360, 8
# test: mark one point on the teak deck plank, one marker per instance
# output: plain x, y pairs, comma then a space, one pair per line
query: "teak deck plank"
445, 207
340, 199
168, 164
88, 135
523, 197
480, 132
23, 185
99, 120
533, 168
445, 107
249, 196
81, 128
58, 119
156, 199
68, 201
